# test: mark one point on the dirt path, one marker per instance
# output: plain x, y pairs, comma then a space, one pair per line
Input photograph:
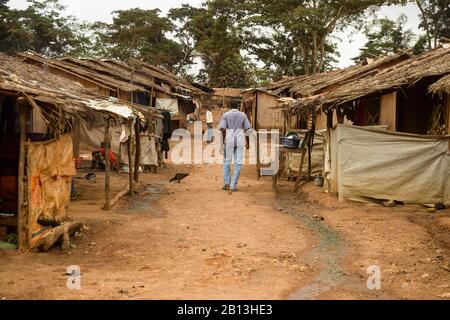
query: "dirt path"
194, 241
410, 246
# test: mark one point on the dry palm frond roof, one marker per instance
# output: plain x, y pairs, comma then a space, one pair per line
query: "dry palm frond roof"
145, 76
56, 94
113, 74
106, 81
309, 85
435, 62
441, 86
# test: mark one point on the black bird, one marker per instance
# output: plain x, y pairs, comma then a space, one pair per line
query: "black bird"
91, 176
178, 177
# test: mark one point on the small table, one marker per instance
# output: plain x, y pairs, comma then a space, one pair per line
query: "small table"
282, 151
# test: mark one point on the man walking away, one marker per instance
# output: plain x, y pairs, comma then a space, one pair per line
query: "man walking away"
233, 126
209, 124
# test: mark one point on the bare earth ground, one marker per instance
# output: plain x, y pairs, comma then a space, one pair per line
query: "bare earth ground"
194, 241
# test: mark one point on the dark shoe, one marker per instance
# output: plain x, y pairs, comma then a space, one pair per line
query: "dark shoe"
226, 188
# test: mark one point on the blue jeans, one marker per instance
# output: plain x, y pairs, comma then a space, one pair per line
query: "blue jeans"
235, 154
210, 133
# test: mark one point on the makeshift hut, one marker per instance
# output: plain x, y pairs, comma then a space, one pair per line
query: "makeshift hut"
313, 86
397, 97
136, 82
40, 117
260, 106
362, 162
223, 97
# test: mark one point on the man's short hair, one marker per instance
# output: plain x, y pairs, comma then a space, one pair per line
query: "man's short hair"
235, 104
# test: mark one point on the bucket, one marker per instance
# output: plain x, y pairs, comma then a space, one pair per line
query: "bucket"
318, 181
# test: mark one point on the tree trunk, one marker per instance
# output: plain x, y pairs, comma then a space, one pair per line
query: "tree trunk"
107, 167
322, 55
130, 163
314, 52
21, 212
63, 232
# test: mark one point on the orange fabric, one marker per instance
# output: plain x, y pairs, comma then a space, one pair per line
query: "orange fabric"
112, 157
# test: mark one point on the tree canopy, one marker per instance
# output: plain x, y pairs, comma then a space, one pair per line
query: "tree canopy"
229, 43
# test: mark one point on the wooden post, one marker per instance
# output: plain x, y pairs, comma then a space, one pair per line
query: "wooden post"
131, 81
21, 212
137, 157
151, 96
107, 140
255, 126
329, 114
311, 142
76, 138
130, 161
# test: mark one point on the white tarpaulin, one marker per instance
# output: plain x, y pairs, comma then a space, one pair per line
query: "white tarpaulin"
170, 105
149, 154
114, 107
368, 163
93, 135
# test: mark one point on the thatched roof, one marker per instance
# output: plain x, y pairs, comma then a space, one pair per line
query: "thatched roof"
432, 63
309, 85
146, 76
105, 81
114, 74
55, 95
441, 86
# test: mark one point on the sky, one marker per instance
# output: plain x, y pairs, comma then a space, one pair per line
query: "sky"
96, 10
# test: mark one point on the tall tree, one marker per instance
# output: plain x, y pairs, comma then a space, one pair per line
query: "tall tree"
434, 19
216, 40
385, 36
138, 33
306, 27
42, 27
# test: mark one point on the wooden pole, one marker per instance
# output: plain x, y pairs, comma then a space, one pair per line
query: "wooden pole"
119, 195
311, 142
130, 161
21, 212
151, 96
137, 157
107, 140
76, 138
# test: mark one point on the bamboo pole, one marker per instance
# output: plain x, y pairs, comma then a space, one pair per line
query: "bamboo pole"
311, 142
130, 162
107, 167
21, 213
76, 138
151, 96
137, 156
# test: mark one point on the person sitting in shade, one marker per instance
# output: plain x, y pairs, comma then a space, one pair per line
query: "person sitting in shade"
98, 158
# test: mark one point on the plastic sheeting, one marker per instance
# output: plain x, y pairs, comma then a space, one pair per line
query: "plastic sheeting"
170, 105
114, 107
93, 135
377, 164
51, 167
149, 154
